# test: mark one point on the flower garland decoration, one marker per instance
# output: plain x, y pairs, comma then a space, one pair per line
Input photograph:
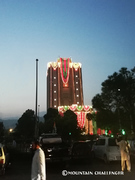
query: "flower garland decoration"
64, 70
86, 108
65, 108
79, 108
60, 108
73, 107
80, 119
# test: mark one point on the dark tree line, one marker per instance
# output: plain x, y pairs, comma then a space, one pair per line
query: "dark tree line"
65, 125
25, 127
2, 129
116, 103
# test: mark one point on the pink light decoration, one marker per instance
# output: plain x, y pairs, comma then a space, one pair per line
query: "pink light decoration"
99, 131
86, 108
65, 65
61, 114
61, 108
73, 107
80, 118
109, 132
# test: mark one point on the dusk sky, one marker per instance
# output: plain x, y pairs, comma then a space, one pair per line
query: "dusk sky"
100, 34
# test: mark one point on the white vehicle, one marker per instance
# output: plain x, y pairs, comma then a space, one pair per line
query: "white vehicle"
4, 159
105, 148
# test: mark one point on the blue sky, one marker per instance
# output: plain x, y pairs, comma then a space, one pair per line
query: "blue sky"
100, 34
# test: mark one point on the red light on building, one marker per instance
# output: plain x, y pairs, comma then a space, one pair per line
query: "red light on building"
65, 85
109, 132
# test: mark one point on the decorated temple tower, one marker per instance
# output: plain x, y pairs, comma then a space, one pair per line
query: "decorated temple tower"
64, 83
65, 91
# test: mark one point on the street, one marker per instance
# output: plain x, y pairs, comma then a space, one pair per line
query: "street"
78, 169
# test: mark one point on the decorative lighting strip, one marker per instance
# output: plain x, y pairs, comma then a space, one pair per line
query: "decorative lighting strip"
64, 70
80, 111
66, 108
86, 108
81, 118
79, 108
76, 66
54, 65
75, 107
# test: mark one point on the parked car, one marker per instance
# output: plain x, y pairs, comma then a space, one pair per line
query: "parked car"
105, 148
4, 159
81, 150
55, 149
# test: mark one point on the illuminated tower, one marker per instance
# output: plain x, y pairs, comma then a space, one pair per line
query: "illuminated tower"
64, 83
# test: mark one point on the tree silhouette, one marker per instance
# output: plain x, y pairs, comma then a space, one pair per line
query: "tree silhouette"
65, 125
116, 103
1, 131
25, 126
70, 125
50, 120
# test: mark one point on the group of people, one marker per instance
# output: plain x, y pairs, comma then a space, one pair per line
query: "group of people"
38, 171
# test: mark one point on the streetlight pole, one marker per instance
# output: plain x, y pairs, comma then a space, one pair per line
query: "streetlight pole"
36, 125
119, 111
38, 120
38, 111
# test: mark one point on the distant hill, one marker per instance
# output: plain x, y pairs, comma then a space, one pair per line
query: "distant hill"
42, 113
11, 123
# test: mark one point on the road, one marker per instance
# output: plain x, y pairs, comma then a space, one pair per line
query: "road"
72, 170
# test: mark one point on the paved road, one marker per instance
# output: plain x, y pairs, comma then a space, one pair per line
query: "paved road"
80, 170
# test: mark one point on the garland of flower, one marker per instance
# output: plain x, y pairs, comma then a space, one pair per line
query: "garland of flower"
64, 70
60, 108
79, 108
81, 116
86, 108
80, 119
66, 108
73, 107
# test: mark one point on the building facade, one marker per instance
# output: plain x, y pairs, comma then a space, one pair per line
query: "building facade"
64, 83
65, 91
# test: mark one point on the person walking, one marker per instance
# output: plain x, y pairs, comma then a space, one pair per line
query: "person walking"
38, 170
125, 156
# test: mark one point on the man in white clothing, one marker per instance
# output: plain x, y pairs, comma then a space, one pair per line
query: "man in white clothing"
125, 156
38, 171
